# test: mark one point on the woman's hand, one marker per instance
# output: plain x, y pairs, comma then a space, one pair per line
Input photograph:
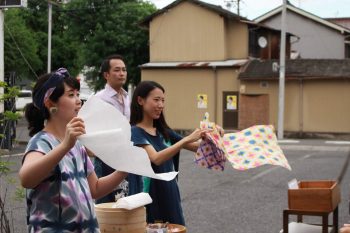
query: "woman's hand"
221, 130
74, 129
196, 135
345, 229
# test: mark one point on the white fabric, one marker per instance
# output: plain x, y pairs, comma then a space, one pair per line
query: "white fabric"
133, 201
295, 227
108, 135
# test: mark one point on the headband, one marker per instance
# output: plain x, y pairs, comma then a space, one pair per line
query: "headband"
48, 87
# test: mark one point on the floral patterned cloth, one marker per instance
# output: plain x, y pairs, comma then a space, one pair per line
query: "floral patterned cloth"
249, 148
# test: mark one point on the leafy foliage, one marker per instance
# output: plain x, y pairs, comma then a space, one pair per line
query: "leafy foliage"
108, 27
84, 32
20, 42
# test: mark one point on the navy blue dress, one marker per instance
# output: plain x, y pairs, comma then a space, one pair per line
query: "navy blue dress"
166, 205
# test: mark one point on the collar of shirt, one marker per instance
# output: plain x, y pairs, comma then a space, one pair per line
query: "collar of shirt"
111, 92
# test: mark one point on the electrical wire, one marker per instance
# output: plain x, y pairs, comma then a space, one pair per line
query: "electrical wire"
20, 51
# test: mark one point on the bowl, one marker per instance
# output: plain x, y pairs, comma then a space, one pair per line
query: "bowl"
176, 228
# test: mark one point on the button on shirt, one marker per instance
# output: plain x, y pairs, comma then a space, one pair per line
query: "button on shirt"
112, 97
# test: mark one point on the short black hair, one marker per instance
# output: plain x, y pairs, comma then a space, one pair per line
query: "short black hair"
105, 66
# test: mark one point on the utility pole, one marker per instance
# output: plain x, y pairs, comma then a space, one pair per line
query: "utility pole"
49, 33
282, 71
229, 4
238, 7
2, 60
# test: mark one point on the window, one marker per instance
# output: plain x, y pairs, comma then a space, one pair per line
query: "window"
347, 49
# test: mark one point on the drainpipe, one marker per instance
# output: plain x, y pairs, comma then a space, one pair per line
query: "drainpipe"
215, 94
301, 107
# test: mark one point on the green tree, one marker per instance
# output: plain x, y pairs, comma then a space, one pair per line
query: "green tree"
64, 49
26, 32
105, 27
21, 46
83, 33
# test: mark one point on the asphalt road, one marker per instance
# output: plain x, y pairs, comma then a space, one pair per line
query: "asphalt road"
253, 201
232, 201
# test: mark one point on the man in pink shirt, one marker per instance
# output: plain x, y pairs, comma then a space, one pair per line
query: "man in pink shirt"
113, 69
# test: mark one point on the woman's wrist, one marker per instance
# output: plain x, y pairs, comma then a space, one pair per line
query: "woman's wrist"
185, 141
63, 149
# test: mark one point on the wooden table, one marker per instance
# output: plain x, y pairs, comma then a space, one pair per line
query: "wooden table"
300, 214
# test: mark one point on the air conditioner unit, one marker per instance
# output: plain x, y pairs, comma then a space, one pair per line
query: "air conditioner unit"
13, 3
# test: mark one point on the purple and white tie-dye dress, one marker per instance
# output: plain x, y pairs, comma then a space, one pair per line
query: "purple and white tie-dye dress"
62, 202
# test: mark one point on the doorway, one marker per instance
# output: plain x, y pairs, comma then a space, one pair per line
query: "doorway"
230, 109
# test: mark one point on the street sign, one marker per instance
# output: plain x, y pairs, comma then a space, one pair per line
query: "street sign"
13, 3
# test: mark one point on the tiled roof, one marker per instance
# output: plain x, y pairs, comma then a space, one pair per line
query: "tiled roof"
195, 64
296, 69
304, 13
218, 9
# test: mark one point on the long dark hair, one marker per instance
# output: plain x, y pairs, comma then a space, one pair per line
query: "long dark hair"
34, 116
136, 115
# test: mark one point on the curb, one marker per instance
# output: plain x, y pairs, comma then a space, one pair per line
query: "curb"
316, 148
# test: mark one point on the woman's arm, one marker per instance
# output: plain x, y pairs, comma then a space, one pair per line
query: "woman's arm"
37, 166
100, 187
159, 157
193, 146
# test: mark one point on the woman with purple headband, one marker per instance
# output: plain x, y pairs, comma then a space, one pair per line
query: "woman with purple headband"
58, 175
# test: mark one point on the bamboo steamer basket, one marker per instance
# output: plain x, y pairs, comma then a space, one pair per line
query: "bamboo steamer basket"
115, 220
176, 228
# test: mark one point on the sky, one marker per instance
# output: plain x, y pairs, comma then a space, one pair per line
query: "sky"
254, 8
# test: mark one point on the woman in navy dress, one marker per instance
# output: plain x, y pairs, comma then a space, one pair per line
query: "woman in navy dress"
151, 132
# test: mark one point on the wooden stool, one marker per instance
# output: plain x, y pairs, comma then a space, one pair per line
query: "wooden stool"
300, 214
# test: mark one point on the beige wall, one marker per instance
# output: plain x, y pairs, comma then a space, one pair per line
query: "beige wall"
327, 106
182, 88
310, 106
237, 37
187, 32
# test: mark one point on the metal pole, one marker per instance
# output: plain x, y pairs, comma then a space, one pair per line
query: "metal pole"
2, 63
282, 72
49, 38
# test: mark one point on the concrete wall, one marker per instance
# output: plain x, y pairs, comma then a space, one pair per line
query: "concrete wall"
182, 87
327, 106
237, 38
310, 105
316, 40
187, 32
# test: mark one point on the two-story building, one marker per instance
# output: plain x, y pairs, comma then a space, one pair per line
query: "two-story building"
211, 60
317, 95
318, 38
196, 52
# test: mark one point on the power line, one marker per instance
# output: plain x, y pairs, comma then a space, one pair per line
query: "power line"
20, 51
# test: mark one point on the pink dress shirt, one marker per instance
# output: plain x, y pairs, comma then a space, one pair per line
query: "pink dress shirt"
109, 95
